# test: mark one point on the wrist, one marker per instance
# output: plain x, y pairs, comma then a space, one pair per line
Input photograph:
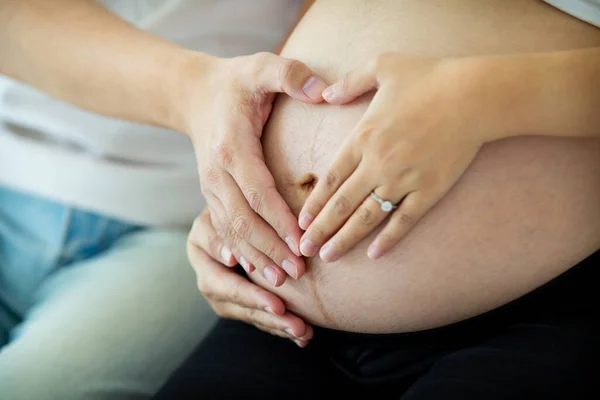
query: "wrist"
498, 91
518, 81
190, 76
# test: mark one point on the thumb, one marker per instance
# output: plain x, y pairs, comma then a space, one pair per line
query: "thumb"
282, 75
354, 84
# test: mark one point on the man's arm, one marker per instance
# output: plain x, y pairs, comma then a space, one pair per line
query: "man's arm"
82, 53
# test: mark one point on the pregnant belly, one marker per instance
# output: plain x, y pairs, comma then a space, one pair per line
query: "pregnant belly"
524, 212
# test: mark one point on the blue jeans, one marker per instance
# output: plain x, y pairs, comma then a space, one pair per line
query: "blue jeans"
39, 237
90, 306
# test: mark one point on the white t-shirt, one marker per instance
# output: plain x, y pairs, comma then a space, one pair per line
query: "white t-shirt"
136, 172
586, 10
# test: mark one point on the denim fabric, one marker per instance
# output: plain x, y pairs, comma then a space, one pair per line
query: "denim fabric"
37, 238
95, 308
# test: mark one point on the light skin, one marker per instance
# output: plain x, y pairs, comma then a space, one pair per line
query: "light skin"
424, 127
426, 123
81, 53
120, 89
233, 296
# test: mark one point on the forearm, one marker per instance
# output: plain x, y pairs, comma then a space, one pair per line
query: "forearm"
568, 100
81, 53
550, 94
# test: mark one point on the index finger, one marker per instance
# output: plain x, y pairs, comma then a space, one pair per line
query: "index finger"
354, 84
245, 225
220, 283
258, 186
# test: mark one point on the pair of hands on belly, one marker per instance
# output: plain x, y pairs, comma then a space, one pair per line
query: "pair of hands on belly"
229, 113
423, 128
246, 220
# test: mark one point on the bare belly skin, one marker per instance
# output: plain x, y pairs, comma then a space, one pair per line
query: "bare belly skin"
527, 209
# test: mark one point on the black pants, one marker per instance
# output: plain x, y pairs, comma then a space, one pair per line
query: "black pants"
541, 346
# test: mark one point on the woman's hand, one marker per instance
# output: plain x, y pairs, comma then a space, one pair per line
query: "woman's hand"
233, 296
425, 125
226, 116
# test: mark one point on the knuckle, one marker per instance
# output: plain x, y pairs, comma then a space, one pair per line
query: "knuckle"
205, 289
256, 201
342, 205
211, 177
287, 69
220, 310
251, 315
213, 246
374, 63
331, 179
219, 229
262, 57
217, 225
189, 250
257, 63
366, 216
193, 233
312, 205
203, 190
344, 84
386, 155
230, 233
224, 153
406, 219
270, 251
365, 134
235, 296
404, 175
242, 226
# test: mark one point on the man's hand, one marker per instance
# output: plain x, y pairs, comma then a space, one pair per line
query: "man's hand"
233, 296
229, 103
80, 52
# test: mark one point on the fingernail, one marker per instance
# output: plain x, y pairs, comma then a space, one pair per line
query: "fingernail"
301, 343
245, 264
226, 254
313, 87
328, 253
308, 335
269, 310
290, 268
305, 220
329, 93
292, 245
374, 252
270, 275
308, 248
289, 332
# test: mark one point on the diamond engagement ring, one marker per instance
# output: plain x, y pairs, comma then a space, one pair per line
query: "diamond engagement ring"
386, 206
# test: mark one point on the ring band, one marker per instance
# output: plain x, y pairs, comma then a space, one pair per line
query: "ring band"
386, 205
